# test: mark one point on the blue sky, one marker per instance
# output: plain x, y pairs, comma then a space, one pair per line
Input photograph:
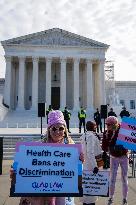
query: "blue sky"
107, 21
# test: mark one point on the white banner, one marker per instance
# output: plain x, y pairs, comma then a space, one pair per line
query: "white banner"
95, 184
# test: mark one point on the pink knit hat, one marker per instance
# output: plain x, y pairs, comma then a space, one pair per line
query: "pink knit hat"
112, 120
54, 117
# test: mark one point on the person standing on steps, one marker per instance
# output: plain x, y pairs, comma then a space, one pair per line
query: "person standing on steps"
67, 116
124, 113
97, 119
82, 117
47, 111
112, 113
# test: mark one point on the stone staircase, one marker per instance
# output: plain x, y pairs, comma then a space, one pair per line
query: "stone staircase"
29, 119
9, 143
3, 109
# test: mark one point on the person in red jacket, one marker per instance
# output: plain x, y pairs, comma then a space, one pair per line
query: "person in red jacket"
118, 156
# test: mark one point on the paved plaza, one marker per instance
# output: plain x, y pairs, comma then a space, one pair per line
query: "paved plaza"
6, 200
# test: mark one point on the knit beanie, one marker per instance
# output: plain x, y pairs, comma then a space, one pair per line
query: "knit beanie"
55, 117
111, 120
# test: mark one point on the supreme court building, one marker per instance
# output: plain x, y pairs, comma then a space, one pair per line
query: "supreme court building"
56, 67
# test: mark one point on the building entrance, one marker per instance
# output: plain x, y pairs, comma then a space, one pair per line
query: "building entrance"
55, 97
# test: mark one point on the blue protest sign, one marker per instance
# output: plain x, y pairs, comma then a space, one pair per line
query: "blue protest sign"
44, 169
127, 133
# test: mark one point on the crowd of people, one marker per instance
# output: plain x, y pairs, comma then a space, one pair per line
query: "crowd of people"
57, 132
82, 117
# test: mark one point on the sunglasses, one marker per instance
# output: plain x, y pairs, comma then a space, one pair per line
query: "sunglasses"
60, 129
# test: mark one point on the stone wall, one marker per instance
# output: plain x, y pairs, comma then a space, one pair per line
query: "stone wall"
2, 81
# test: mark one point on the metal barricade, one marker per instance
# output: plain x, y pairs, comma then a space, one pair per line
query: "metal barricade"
1, 154
133, 157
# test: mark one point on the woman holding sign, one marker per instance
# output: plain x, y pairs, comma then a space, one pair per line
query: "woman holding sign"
56, 133
118, 156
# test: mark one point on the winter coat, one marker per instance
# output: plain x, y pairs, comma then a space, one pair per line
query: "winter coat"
109, 141
91, 148
124, 113
97, 117
111, 113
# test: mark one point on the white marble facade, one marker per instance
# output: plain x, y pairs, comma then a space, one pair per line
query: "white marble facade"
56, 67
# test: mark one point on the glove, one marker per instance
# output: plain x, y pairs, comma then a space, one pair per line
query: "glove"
95, 171
104, 155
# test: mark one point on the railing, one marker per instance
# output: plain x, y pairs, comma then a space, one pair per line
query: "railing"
20, 125
8, 142
28, 125
133, 157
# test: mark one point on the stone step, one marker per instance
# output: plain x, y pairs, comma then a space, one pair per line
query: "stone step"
9, 144
7, 157
9, 153
11, 141
8, 149
29, 119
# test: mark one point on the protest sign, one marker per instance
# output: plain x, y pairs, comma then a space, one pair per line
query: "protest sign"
127, 133
95, 184
47, 169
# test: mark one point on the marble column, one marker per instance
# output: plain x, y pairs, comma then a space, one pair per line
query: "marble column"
63, 83
21, 84
89, 82
101, 80
7, 86
48, 82
76, 84
35, 84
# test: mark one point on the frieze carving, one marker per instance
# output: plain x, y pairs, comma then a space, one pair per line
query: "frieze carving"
55, 38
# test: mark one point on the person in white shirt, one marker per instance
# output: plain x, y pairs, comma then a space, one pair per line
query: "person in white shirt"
91, 149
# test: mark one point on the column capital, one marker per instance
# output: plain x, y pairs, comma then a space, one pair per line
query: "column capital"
63, 60
88, 60
35, 58
8, 58
102, 61
76, 60
48, 59
21, 58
